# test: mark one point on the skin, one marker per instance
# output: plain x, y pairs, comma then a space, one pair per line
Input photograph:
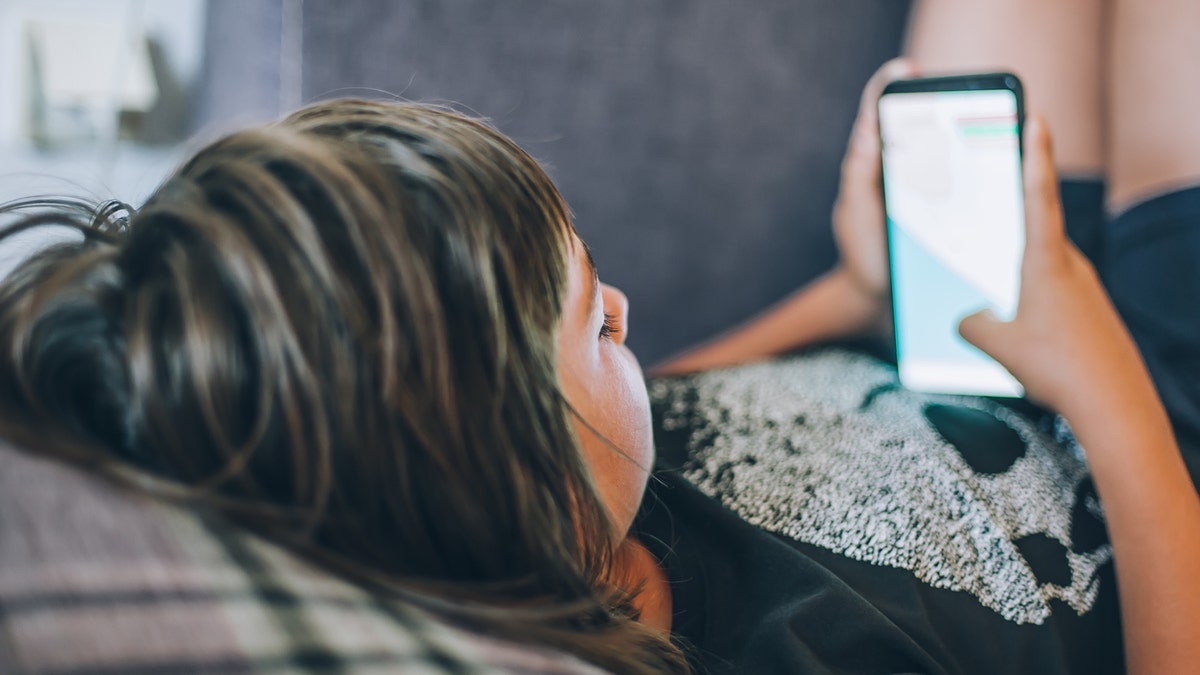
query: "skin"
1066, 345
603, 382
1056, 48
1153, 141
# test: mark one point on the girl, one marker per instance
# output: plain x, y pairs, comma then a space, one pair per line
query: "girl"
370, 334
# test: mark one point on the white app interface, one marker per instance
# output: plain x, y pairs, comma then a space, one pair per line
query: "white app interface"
951, 166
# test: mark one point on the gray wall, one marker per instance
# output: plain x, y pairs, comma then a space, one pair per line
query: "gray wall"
697, 142
252, 56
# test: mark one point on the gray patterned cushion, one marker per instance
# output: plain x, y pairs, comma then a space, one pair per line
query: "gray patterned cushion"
95, 579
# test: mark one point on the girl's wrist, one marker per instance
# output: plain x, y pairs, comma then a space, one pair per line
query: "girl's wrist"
867, 311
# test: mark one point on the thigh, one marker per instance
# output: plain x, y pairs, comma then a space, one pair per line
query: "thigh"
1153, 99
1054, 46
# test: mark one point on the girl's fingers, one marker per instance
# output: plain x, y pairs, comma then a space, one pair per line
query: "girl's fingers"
1043, 212
987, 332
866, 125
860, 168
896, 69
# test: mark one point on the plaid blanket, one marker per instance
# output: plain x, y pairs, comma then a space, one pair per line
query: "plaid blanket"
94, 579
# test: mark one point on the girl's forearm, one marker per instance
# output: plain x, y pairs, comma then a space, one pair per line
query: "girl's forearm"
1153, 515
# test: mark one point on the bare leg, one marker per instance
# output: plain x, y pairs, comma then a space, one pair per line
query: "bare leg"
1153, 98
1054, 46
1154, 146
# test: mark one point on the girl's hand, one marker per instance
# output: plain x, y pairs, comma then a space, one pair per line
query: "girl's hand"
1066, 344
858, 217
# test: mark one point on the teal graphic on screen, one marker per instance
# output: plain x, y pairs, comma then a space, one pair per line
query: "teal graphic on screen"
952, 175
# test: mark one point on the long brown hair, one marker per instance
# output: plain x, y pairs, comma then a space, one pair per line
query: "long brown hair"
339, 330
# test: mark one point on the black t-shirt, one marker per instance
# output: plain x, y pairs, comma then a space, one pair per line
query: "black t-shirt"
816, 518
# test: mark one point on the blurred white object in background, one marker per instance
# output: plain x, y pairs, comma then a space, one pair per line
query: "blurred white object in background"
83, 76
94, 99
87, 60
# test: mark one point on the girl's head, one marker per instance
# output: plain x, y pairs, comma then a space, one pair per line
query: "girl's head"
369, 332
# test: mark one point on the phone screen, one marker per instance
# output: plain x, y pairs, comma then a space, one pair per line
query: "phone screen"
955, 219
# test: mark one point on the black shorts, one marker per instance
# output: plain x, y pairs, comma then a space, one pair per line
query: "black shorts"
1149, 259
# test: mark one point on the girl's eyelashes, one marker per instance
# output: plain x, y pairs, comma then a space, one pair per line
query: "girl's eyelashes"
610, 327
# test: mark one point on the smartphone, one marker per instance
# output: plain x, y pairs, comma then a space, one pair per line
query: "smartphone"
955, 222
